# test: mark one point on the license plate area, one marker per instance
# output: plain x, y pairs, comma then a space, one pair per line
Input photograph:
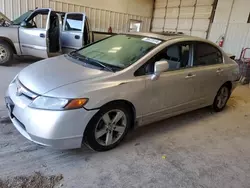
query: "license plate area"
10, 105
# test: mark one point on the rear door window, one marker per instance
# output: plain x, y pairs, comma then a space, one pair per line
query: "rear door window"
206, 54
74, 22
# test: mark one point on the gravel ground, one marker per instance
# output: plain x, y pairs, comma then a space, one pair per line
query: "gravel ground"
33, 181
198, 149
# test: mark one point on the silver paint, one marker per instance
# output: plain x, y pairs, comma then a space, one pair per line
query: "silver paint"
173, 93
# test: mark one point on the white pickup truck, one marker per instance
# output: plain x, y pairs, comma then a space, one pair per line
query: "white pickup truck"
44, 33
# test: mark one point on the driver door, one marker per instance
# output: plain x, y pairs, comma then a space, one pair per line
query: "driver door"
33, 35
173, 91
72, 34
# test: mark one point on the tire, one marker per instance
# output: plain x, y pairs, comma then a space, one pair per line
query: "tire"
221, 98
100, 127
6, 53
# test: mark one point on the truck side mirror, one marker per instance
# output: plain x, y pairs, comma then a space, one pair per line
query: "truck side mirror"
23, 24
26, 24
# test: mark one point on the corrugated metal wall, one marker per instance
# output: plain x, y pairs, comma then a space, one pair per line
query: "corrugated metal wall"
191, 17
100, 19
231, 21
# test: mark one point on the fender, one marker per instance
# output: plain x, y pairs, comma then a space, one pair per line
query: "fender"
7, 40
10, 35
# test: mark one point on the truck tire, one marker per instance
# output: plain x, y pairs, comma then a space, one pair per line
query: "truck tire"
6, 53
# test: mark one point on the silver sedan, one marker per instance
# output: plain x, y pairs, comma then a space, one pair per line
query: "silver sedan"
96, 94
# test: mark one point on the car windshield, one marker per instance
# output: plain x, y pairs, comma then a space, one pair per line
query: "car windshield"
21, 18
118, 51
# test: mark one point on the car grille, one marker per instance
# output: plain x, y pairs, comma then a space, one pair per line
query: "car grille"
22, 90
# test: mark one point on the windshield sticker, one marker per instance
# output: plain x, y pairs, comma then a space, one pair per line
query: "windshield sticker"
154, 41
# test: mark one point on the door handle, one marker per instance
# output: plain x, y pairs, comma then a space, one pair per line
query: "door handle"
77, 37
42, 35
190, 75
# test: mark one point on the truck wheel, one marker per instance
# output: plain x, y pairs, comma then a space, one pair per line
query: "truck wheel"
6, 53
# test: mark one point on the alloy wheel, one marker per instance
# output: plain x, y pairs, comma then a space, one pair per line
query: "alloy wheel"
222, 97
110, 127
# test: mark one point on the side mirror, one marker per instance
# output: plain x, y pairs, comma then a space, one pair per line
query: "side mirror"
23, 24
26, 24
160, 66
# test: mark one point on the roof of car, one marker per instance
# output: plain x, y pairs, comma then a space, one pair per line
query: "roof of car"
162, 36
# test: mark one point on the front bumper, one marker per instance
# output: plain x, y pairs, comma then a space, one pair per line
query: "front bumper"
58, 129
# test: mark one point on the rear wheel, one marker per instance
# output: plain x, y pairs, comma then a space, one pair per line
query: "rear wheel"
108, 127
6, 53
221, 98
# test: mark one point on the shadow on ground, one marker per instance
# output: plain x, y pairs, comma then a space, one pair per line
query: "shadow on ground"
20, 60
167, 125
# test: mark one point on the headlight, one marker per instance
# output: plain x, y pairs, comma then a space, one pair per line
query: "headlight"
50, 103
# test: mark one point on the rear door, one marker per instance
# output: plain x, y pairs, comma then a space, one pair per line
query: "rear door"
209, 68
34, 36
72, 34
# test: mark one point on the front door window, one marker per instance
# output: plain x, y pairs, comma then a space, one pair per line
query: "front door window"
38, 19
177, 55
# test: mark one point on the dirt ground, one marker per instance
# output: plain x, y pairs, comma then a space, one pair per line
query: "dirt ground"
33, 181
200, 149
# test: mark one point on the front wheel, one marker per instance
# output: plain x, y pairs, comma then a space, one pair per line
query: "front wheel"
6, 53
221, 98
108, 127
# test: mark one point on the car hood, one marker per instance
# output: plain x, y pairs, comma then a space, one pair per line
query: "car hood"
49, 74
4, 17
4, 20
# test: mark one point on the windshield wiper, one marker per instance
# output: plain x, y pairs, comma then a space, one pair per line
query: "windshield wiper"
75, 55
100, 64
78, 56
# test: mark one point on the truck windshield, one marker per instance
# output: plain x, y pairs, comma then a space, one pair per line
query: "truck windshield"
119, 51
21, 18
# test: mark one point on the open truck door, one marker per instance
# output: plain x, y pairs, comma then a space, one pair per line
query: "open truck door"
34, 35
72, 36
